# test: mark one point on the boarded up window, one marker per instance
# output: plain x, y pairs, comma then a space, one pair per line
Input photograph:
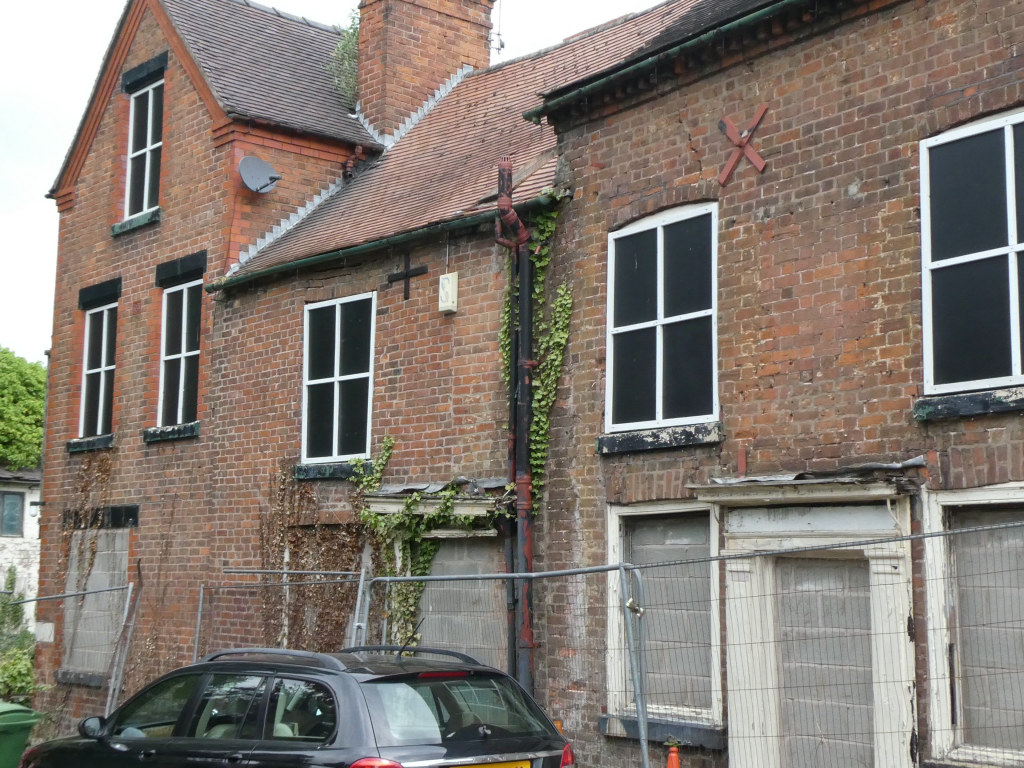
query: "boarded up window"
677, 619
824, 650
92, 623
990, 631
467, 616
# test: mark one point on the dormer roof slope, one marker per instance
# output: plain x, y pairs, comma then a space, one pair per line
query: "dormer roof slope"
445, 168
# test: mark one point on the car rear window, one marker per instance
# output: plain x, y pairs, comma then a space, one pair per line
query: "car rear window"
437, 708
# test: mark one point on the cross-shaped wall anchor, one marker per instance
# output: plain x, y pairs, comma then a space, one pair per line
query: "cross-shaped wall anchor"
405, 274
742, 142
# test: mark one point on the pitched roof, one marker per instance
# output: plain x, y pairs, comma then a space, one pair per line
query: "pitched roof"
246, 60
445, 168
699, 19
20, 476
268, 65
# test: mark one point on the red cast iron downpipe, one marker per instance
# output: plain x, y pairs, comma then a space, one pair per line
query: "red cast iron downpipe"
520, 409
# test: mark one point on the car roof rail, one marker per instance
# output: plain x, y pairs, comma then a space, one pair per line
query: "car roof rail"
412, 649
301, 657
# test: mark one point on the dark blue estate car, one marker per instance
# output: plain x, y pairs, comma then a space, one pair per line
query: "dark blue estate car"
360, 708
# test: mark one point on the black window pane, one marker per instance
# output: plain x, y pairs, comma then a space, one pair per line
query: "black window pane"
190, 396
1018, 164
971, 321
155, 712
111, 344
355, 337
319, 420
172, 323
138, 184
321, 343
140, 118
94, 340
687, 369
352, 419
688, 266
968, 195
222, 708
636, 278
106, 419
251, 724
157, 125
633, 388
194, 300
172, 388
92, 404
153, 196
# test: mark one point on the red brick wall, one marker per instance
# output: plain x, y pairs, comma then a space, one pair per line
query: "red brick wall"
408, 48
203, 206
819, 319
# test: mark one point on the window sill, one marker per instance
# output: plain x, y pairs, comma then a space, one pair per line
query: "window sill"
937, 407
340, 471
88, 679
689, 734
83, 444
175, 432
708, 433
135, 222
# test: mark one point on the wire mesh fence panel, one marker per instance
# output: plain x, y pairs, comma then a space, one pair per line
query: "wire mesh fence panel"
470, 617
300, 614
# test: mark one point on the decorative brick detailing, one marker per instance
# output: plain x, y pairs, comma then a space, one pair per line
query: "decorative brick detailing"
408, 48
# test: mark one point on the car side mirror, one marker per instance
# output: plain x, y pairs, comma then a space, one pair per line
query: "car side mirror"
91, 727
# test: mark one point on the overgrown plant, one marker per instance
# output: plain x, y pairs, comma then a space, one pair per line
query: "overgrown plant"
17, 647
344, 63
550, 337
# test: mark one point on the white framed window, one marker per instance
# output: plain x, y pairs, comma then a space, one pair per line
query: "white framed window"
972, 237
682, 635
337, 373
179, 354
145, 141
98, 371
12, 506
975, 618
662, 320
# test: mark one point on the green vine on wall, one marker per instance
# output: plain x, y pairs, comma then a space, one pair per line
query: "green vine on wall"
406, 529
550, 337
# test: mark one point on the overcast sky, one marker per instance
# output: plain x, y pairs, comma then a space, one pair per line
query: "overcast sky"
50, 59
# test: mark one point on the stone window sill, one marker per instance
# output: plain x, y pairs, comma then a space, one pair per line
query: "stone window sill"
176, 432
708, 433
83, 444
967, 404
88, 679
340, 471
135, 222
689, 734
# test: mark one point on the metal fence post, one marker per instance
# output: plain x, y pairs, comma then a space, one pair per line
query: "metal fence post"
629, 608
359, 606
199, 621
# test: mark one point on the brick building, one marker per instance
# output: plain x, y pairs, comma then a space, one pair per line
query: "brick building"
751, 357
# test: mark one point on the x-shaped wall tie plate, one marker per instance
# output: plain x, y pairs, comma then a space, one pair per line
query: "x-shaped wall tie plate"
742, 142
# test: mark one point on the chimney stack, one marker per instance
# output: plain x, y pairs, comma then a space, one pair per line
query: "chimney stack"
409, 48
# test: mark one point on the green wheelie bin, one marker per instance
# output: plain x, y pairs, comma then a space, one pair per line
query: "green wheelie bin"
16, 723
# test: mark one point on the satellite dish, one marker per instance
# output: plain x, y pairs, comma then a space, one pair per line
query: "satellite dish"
258, 175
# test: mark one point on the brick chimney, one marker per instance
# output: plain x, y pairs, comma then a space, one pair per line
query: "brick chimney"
409, 48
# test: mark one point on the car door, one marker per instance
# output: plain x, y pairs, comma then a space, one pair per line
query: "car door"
223, 725
302, 720
138, 732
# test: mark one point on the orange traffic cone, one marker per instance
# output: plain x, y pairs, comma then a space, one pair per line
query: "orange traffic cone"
673, 757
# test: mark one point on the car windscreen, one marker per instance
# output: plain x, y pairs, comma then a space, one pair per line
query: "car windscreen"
438, 708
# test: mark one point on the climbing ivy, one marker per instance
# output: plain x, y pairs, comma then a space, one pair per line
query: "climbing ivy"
550, 336
406, 528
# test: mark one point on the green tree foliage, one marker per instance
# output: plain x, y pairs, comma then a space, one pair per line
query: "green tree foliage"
22, 391
344, 63
17, 647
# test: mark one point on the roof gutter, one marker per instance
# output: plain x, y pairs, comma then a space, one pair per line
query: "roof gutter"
541, 201
535, 115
